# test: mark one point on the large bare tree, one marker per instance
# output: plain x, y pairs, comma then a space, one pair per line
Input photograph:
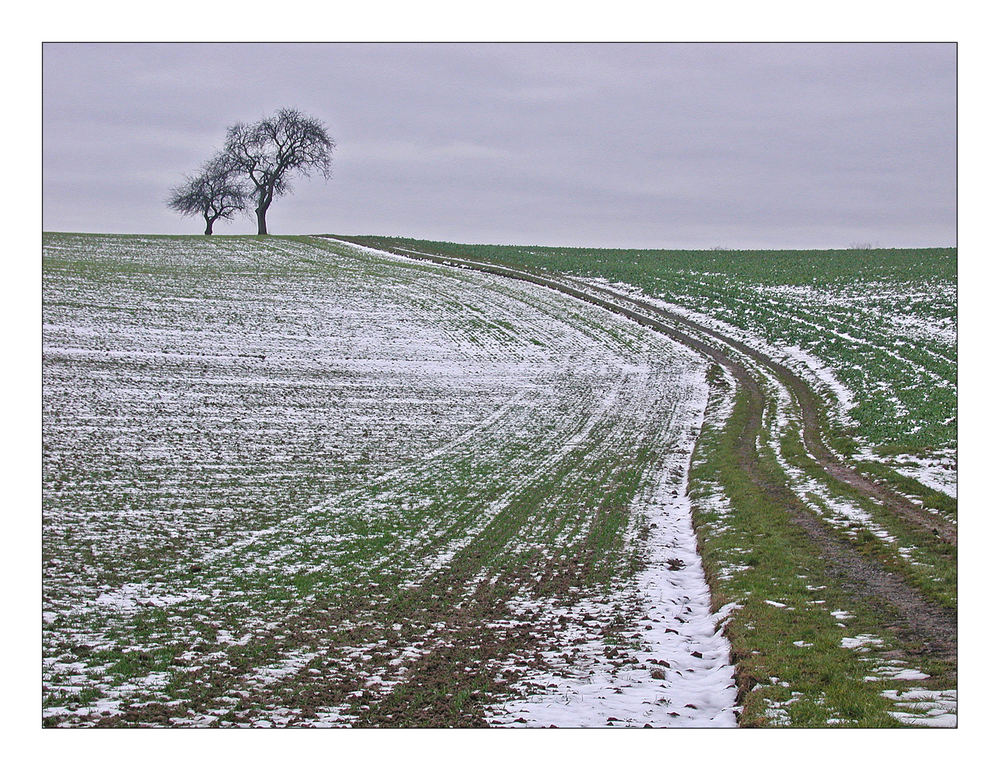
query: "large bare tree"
216, 192
273, 150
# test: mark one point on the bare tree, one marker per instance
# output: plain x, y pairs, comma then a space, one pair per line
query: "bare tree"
272, 150
215, 193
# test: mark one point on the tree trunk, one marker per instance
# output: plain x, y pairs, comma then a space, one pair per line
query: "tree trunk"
208, 226
261, 222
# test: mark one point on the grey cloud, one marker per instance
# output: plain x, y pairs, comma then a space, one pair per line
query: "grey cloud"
604, 145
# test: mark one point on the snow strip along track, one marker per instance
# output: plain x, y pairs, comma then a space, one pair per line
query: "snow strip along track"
755, 373
293, 482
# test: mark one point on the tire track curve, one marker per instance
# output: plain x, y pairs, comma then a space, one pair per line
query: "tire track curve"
935, 627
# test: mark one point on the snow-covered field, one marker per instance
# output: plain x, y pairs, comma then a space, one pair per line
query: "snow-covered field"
295, 482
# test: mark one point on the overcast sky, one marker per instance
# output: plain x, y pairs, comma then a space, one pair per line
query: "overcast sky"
647, 145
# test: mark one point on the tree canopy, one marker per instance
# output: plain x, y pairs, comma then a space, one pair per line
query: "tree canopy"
273, 150
256, 166
216, 192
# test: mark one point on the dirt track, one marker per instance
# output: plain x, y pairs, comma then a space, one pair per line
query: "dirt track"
929, 627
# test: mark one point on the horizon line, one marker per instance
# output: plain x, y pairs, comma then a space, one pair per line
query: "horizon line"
719, 248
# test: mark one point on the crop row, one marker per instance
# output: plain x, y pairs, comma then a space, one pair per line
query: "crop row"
879, 326
290, 482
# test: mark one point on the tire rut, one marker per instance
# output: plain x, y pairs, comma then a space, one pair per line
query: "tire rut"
932, 627
812, 432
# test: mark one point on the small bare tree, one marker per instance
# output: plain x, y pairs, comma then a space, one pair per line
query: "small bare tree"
215, 193
272, 150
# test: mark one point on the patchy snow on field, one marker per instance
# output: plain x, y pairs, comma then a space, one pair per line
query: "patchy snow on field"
672, 668
865, 325
896, 670
817, 372
938, 471
822, 373
863, 642
923, 707
282, 479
